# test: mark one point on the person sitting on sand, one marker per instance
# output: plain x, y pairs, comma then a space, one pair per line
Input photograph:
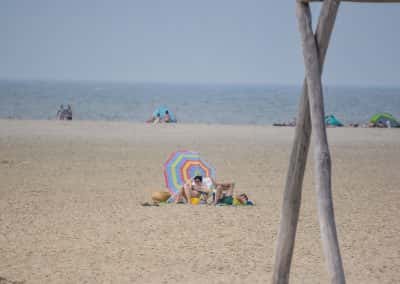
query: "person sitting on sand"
195, 189
224, 196
200, 189
167, 117
353, 124
157, 119
289, 123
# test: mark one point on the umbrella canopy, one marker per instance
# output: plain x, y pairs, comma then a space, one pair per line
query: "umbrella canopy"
383, 118
182, 166
161, 110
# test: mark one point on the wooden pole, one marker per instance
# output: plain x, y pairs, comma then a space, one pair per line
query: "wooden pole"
298, 158
321, 149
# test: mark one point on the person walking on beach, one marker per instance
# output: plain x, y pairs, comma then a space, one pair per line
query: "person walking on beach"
60, 113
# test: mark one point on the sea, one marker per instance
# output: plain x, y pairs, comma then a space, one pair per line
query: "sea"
260, 104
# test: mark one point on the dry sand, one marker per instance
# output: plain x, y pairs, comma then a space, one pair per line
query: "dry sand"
71, 191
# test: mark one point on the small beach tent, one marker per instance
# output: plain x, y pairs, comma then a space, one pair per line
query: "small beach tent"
385, 118
332, 120
161, 110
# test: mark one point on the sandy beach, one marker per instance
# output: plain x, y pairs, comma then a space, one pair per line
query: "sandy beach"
71, 191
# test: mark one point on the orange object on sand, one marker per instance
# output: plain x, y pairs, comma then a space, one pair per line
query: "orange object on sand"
160, 196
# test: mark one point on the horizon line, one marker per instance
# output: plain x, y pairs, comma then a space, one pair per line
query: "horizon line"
199, 83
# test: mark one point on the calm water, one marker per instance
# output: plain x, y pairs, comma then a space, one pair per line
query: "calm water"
226, 104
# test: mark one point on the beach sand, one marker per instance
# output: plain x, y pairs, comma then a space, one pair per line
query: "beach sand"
71, 191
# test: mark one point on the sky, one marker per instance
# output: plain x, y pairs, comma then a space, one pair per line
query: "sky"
187, 41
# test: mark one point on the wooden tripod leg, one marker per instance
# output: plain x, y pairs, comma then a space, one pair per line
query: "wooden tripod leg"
322, 160
298, 158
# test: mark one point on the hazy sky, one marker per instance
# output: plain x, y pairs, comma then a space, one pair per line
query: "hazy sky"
202, 41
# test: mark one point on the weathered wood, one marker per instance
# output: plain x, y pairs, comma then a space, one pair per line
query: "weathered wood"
321, 149
298, 158
359, 1
292, 194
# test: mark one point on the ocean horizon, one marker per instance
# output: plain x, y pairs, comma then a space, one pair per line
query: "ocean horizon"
222, 103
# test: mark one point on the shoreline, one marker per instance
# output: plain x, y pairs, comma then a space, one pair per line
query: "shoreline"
360, 125
173, 133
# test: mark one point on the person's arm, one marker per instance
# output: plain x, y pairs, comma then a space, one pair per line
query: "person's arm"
205, 189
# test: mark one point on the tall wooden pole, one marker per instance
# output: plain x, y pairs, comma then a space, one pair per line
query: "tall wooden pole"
298, 157
322, 158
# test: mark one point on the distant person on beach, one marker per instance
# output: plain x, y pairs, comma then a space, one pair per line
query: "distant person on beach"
68, 113
157, 119
289, 123
64, 113
378, 124
60, 113
167, 117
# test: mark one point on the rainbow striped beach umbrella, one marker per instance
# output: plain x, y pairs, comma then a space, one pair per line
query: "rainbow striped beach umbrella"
182, 166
